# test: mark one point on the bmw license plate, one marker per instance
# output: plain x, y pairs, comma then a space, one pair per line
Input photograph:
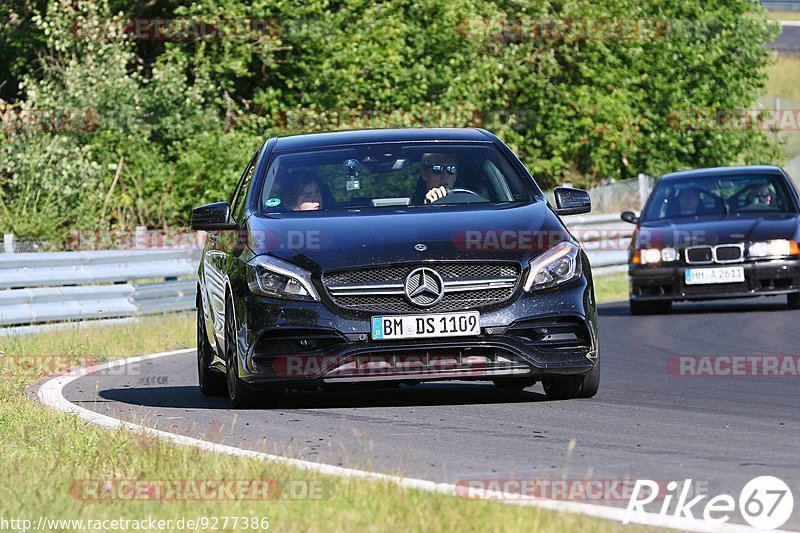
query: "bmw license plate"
426, 326
702, 276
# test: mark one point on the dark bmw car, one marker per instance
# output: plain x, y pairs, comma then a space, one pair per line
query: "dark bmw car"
388, 257
716, 233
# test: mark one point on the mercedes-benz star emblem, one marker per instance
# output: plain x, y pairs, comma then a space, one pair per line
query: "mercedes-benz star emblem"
424, 287
420, 247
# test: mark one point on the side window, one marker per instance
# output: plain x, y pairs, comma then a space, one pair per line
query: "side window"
238, 202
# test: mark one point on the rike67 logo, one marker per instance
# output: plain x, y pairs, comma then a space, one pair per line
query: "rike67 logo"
765, 502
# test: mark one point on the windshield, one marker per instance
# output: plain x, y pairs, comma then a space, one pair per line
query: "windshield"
372, 176
719, 195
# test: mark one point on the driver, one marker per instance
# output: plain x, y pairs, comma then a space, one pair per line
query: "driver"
437, 177
760, 196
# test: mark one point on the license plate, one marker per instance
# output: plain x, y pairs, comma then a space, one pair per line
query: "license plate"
426, 326
704, 276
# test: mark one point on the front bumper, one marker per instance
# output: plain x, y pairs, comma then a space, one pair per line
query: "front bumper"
762, 278
551, 332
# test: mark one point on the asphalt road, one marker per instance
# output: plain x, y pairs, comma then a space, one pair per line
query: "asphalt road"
644, 423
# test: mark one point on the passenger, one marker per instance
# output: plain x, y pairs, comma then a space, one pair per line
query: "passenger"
437, 177
688, 202
305, 193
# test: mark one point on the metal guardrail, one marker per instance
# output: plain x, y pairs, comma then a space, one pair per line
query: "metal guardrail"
38, 288
56, 287
781, 5
605, 238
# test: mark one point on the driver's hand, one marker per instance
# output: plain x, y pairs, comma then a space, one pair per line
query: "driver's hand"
434, 194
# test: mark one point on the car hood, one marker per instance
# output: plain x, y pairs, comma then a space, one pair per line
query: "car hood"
718, 230
333, 240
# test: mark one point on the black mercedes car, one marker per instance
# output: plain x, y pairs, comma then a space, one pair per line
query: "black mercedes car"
392, 256
716, 233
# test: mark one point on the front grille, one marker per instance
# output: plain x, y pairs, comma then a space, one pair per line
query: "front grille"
398, 273
489, 284
729, 253
699, 254
722, 253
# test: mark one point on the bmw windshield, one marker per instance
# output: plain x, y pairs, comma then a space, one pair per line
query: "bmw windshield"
720, 195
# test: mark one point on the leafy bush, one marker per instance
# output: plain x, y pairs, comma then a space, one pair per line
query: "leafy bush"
177, 121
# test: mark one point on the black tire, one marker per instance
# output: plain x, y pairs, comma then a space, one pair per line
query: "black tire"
562, 388
590, 383
650, 308
211, 383
793, 300
240, 395
569, 387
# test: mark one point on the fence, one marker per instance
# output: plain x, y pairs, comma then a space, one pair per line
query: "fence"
605, 238
86, 240
62, 286
629, 195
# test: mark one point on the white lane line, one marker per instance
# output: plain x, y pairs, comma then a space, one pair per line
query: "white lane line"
51, 394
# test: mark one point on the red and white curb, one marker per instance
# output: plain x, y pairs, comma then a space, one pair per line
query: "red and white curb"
50, 393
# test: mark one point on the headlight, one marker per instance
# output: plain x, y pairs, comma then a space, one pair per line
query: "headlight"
559, 264
774, 248
648, 256
274, 277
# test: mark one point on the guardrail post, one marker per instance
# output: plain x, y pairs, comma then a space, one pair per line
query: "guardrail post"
8, 243
140, 239
644, 189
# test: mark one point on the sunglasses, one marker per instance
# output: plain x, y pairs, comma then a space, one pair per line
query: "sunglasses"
440, 169
763, 195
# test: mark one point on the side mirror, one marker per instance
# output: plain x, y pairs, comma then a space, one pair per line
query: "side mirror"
212, 217
629, 216
571, 201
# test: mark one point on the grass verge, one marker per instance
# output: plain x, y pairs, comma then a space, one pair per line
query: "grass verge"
611, 287
784, 15
784, 81
783, 77
48, 459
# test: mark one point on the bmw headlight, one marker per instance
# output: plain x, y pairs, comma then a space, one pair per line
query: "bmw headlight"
648, 256
274, 277
557, 265
773, 248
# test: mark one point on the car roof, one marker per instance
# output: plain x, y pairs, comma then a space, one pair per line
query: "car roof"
723, 171
335, 138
